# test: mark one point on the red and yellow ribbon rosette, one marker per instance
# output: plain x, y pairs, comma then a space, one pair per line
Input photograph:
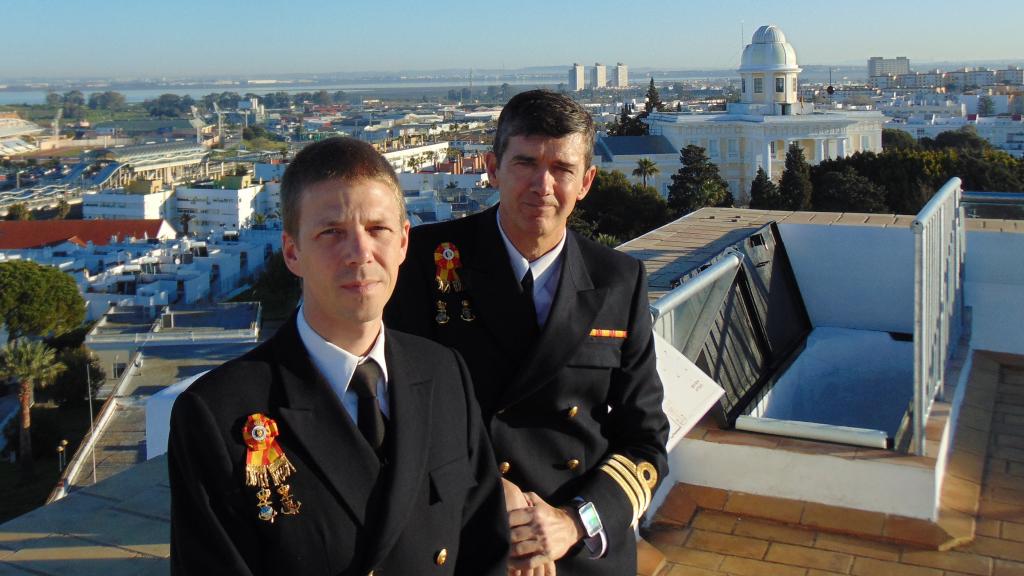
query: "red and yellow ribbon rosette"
446, 258
265, 460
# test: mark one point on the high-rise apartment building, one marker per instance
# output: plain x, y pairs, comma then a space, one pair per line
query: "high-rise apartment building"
598, 76
878, 66
621, 77
577, 78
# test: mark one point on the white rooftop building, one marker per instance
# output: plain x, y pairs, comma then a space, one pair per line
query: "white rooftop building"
757, 131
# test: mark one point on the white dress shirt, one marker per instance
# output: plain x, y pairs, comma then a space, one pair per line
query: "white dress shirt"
338, 366
547, 271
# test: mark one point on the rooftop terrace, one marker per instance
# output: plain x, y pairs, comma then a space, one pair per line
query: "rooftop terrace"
707, 527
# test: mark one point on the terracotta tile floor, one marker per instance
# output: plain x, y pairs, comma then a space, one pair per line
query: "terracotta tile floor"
718, 542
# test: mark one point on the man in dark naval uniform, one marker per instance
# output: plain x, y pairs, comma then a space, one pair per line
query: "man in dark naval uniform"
338, 446
557, 335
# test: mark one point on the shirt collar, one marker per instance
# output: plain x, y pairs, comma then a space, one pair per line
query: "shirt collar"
337, 364
520, 263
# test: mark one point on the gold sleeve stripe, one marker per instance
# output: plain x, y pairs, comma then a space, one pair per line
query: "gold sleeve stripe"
621, 481
644, 474
642, 499
634, 475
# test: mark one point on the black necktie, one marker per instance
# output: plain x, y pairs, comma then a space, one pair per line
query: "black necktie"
371, 421
531, 307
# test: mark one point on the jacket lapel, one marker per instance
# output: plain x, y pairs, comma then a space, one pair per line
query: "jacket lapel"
492, 283
572, 314
409, 439
315, 418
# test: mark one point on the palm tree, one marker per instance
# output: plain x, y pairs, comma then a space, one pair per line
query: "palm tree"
414, 163
258, 220
31, 363
645, 168
453, 154
431, 157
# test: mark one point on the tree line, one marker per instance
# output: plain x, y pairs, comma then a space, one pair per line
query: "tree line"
901, 179
42, 312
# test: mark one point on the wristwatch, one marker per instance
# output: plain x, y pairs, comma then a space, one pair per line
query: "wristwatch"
595, 540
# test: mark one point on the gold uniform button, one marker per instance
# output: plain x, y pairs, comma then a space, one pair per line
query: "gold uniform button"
572, 412
572, 464
504, 467
442, 557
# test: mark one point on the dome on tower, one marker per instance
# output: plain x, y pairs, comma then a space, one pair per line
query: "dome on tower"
768, 51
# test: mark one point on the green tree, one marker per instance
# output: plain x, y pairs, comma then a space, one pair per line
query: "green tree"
184, 220
63, 209
764, 194
74, 101
452, 154
965, 138
322, 98
53, 100
169, 105
31, 363
795, 185
70, 386
645, 168
37, 300
653, 103
413, 163
108, 100
985, 106
578, 222
619, 208
847, 191
628, 125
277, 288
697, 183
19, 211
893, 138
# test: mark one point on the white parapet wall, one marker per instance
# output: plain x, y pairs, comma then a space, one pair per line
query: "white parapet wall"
994, 290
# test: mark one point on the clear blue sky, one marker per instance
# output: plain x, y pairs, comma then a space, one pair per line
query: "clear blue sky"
115, 38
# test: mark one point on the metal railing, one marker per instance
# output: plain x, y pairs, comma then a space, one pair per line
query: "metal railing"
685, 315
939, 246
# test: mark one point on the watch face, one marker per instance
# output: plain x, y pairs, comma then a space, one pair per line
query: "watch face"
591, 521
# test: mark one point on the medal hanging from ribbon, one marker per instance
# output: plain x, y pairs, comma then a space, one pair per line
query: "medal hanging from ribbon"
446, 258
266, 464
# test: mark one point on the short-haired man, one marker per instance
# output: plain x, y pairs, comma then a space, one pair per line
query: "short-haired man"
338, 446
557, 335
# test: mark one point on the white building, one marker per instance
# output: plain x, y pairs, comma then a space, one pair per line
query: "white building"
620, 78
757, 131
598, 76
577, 78
226, 204
878, 66
140, 200
1011, 75
428, 155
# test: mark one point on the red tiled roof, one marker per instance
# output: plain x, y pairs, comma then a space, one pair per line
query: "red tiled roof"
22, 234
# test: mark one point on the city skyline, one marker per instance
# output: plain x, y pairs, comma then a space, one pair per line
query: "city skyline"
64, 38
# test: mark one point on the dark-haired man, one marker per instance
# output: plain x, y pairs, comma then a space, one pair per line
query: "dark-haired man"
557, 335
338, 446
